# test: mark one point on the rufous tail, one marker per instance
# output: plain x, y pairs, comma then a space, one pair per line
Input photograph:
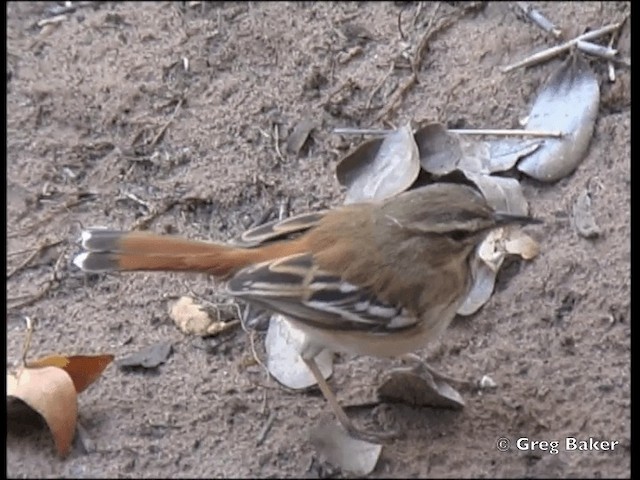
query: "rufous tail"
110, 250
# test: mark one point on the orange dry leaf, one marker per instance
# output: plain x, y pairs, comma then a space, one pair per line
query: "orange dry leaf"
50, 386
50, 392
83, 369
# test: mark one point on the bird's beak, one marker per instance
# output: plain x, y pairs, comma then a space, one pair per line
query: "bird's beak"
507, 219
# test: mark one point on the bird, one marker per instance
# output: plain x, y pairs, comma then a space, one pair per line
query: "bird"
378, 278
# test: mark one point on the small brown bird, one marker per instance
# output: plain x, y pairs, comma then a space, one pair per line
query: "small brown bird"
378, 279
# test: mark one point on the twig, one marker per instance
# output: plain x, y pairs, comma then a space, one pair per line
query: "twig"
402, 35
539, 19
612, 42
508, 133
72, 202
144, 222
557, 50
138, 200
499, 132
51, 20
276, 141
163, 129
33, 255
265, 429
378, 85
27, 341
31, 298
433, 28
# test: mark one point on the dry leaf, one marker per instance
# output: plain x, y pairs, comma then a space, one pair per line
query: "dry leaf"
339, 449
83, 369
283, 343
488, 260
380, 168
567, 103
418, 387
440, 150
149, 357
484, 280
50, 391
502, 193
299, 136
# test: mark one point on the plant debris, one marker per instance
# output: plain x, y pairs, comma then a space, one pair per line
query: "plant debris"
417, 386
380, 168
50, 386
568, 102
149, 357
583, 220
283, 343
351, 455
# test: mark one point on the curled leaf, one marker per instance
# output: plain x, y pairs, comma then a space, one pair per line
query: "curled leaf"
418, 387
440, 150
339, 449
299, 135
488, 260
283, 344
502, 193
83, 369
50, 392
567, 103
484, 281
380, 168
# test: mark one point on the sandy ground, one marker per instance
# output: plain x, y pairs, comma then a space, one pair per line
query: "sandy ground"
105, 127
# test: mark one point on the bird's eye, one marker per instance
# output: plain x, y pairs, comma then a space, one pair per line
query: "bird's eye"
459, 235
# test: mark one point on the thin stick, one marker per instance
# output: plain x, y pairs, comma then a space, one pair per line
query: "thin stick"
265, 430
163, 129
33, 255
276, 142
509, 133
612, 42
480, 131
27, 341
557, 50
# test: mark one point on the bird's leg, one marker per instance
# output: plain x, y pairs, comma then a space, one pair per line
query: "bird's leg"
367, 436
422, 365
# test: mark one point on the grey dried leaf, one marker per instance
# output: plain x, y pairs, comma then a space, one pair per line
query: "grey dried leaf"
380, 168
484, 280
418, 387
504, 153
282, 343
568, 103
149, 357
299, 136
502, 193
494, 155
339, 449
583, 220
440, 150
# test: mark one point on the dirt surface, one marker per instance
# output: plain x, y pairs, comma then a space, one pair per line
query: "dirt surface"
106, 126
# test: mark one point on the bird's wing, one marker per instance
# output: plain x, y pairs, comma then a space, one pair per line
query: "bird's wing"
296, 287
280, 229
